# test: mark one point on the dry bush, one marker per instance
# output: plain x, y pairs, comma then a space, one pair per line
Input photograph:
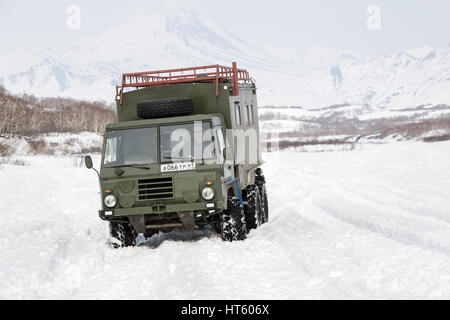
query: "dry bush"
408, 126
283, 144
70, 142
416, 129
39, 146
5, 150
444, 137
78, 162
27, 115
91, 149
13, 162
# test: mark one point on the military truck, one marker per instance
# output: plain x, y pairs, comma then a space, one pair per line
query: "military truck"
184, 153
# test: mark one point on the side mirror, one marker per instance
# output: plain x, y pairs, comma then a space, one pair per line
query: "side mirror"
88, 162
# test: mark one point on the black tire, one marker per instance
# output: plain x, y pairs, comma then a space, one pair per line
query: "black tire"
217, 227
264, 204
253, 210
167, 107
122, 234
233, 227
260, 181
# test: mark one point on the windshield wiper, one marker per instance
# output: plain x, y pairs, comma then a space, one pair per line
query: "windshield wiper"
191, 158
138, 166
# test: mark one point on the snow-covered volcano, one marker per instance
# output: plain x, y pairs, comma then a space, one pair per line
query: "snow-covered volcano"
312, 77
89, 68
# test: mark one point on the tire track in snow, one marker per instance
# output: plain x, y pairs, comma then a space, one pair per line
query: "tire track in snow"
432, 206
397, 225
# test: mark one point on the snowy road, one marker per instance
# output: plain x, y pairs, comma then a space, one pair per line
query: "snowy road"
372, 223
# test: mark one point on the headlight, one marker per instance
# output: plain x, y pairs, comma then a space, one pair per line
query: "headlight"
208, 193
110, 201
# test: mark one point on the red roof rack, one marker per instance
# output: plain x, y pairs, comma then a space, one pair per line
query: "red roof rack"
213, 73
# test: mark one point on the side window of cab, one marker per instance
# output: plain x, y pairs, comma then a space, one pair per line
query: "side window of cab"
237, 113
250, 114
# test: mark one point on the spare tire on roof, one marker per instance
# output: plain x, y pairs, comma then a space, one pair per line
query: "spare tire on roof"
166, 107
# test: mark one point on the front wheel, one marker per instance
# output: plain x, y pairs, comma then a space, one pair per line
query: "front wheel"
232, 220
122, 234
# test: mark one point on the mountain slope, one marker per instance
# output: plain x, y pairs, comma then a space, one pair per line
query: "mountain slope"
313, 77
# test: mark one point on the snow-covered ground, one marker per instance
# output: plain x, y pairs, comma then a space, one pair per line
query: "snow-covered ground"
351, 121
362, 113
57, 143
368, 223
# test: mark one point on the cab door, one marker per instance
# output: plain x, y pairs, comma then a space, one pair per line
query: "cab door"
228, 163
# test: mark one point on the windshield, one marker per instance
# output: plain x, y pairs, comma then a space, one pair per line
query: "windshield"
186, 142
131, 147
181, 142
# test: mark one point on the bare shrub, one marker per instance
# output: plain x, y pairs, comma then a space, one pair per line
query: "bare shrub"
91, 149
415, 129
13, 162
283, 144
403, 125
27, 115
444, 137
5, 150
66, 150
70, 142
39, 146
78, 162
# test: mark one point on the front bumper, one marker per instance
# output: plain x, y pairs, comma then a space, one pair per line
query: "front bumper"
159, 209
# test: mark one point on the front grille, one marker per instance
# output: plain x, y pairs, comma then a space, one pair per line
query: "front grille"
152, 189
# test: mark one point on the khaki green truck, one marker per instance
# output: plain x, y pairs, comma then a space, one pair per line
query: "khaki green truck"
185, 153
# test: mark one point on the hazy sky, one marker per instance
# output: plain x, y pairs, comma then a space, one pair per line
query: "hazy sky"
285, 23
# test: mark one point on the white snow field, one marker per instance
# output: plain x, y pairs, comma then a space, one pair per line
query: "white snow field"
370, 223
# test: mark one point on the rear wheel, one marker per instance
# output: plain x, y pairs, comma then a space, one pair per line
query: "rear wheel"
253, 210
122, 234
260, 181
232, 220
264, 204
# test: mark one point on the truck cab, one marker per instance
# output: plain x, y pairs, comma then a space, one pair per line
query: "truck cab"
184, 153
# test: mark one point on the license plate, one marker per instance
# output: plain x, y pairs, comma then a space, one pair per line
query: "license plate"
182, 166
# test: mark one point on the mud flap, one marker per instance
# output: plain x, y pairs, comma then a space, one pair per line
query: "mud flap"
138, 223
187, 219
